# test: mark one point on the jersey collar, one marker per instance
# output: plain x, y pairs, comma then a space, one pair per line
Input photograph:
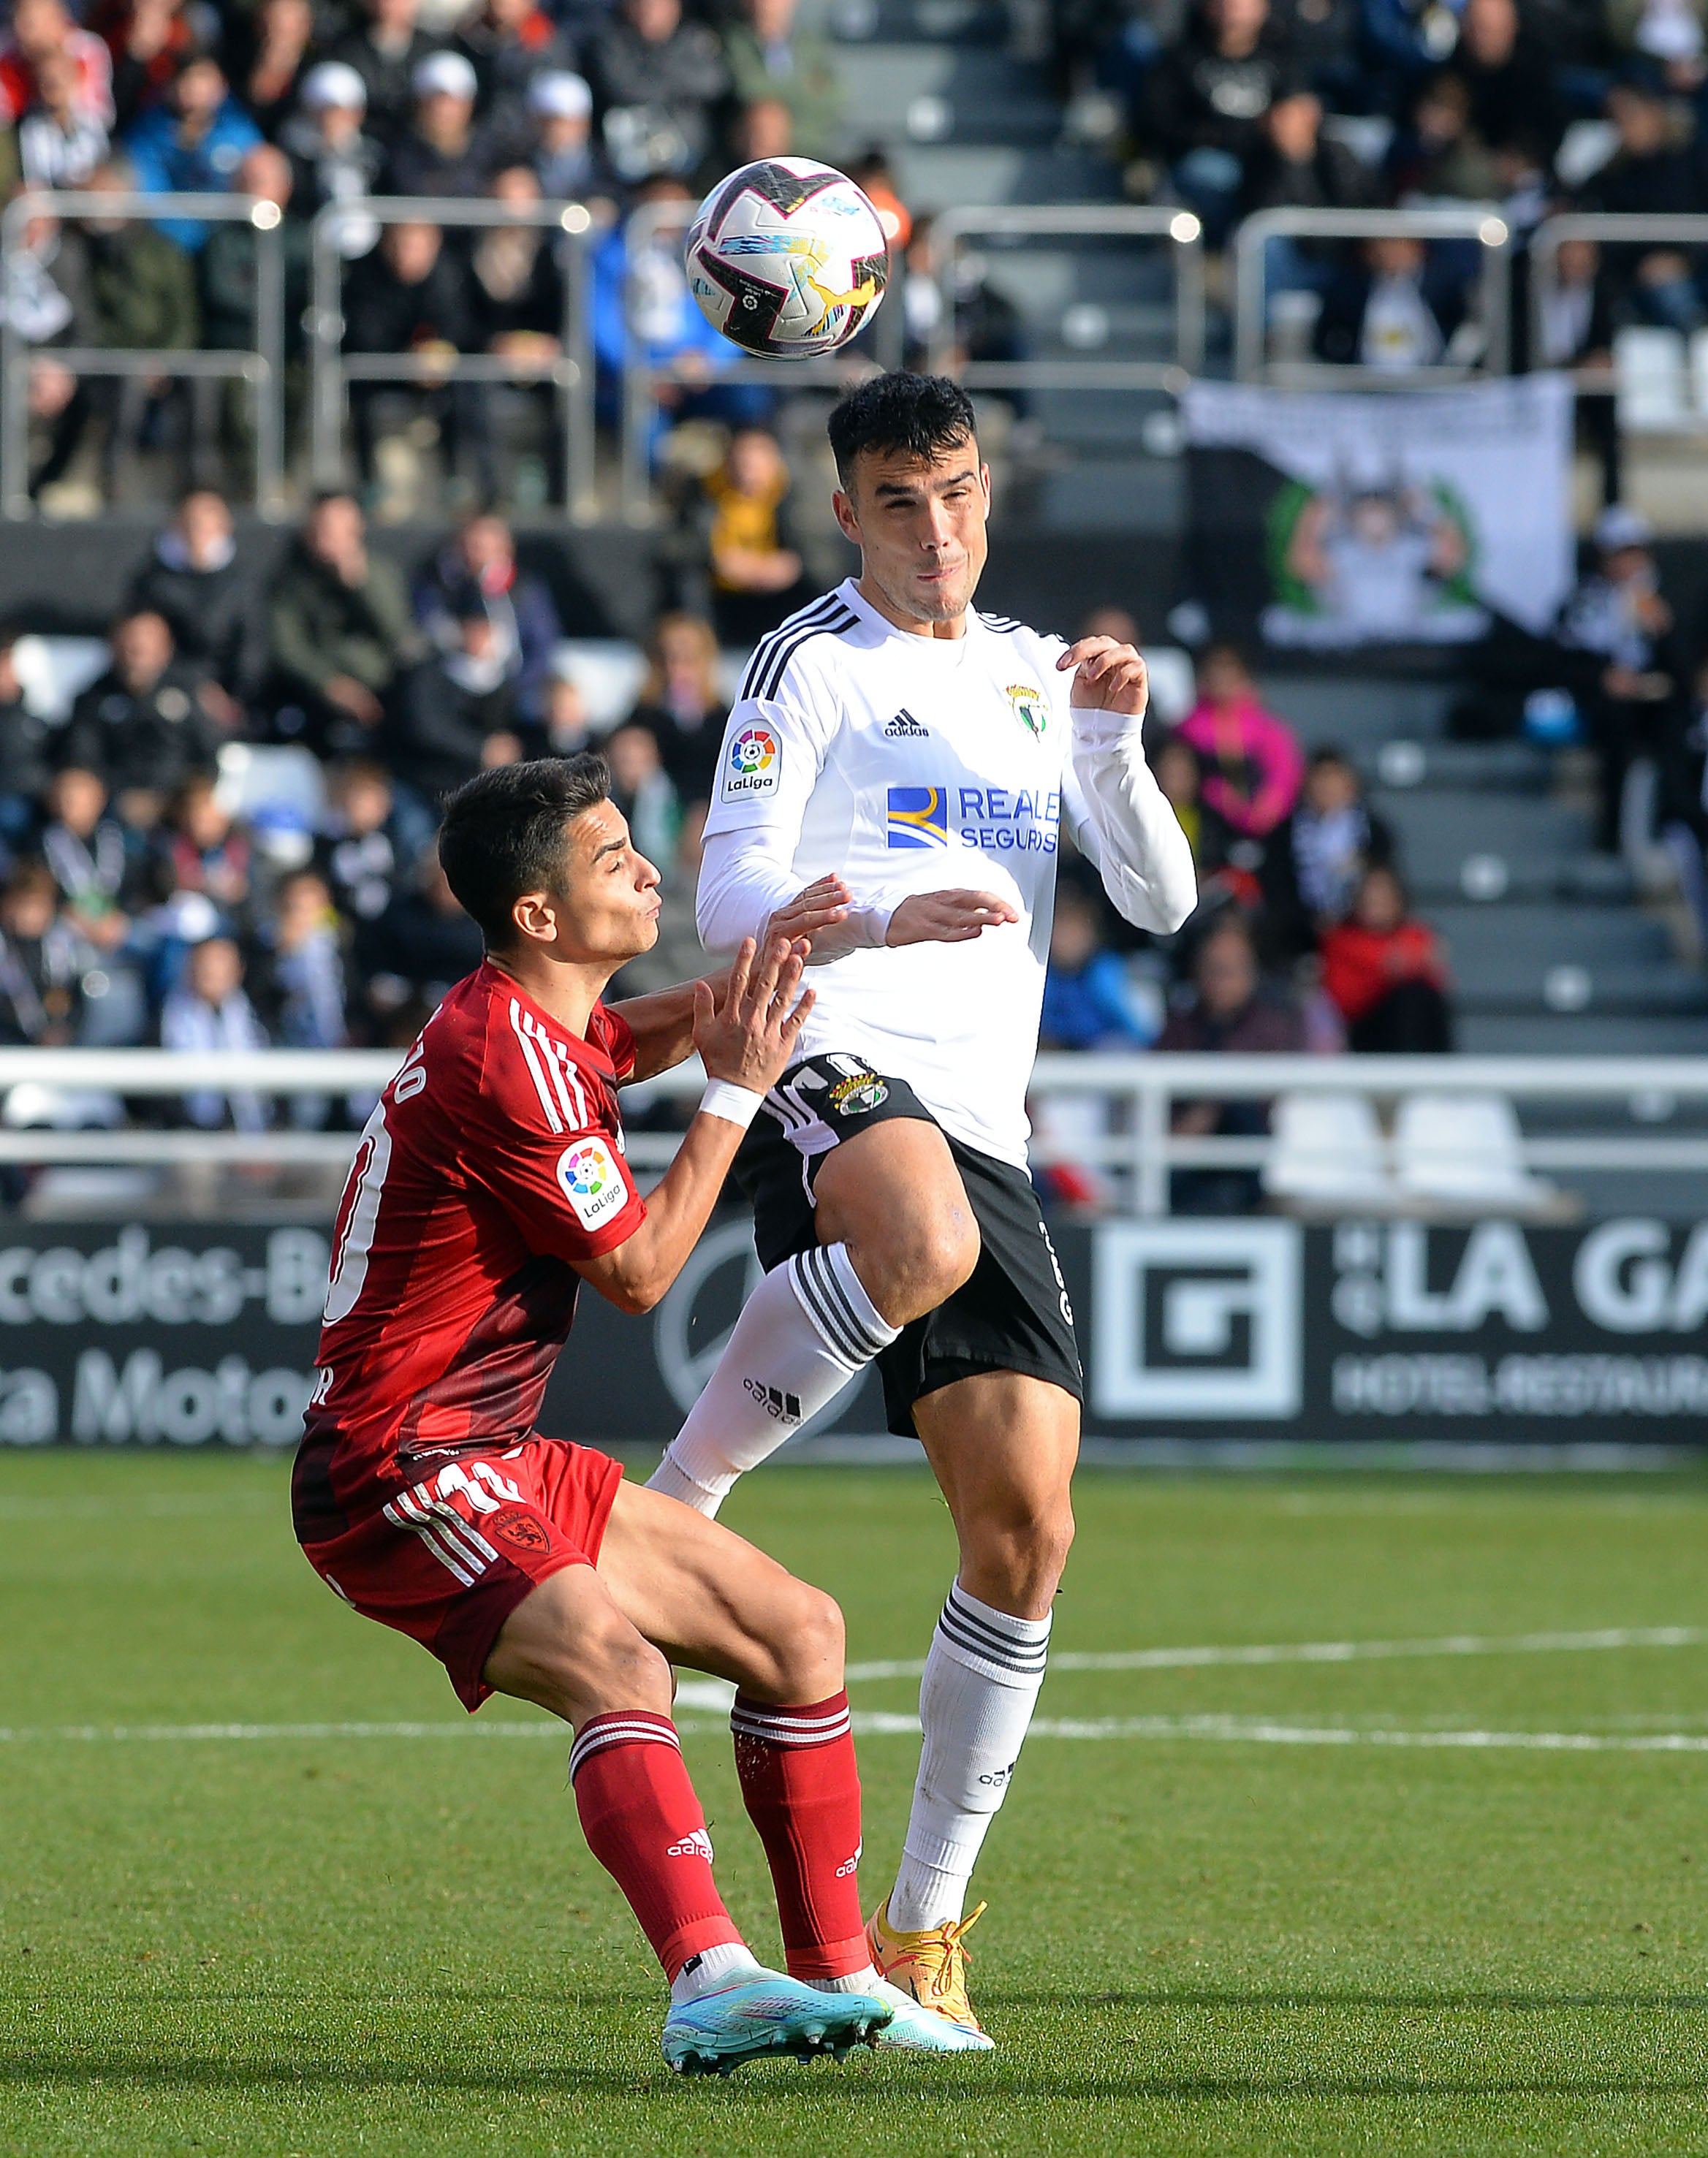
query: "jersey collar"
951, 650
586, 1048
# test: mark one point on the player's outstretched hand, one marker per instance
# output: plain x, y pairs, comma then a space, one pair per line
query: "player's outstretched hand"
748, 1038
1108, 676
948, 917
799, 921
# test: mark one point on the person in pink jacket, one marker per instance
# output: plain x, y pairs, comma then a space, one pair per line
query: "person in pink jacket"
1253, 765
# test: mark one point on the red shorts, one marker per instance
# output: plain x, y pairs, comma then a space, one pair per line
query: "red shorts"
448, 1559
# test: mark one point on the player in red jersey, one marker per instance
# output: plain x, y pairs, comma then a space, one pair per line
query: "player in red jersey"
489, 1182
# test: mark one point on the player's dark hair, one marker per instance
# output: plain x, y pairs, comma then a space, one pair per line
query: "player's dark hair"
917, 415
504, 833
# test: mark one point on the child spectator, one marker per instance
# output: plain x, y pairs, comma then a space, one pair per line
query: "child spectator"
209, 1013
1088, 1001
42, 961
679, 704
1386, 975
307, 970
757, 573
1252, 763
144, 726
478, 572
362, 856
95, 861
200, 590
207, 850
1316, 857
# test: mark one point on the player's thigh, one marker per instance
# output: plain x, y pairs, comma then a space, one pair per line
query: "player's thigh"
894, 1196
712, 1602
569, 1646
1003, 1446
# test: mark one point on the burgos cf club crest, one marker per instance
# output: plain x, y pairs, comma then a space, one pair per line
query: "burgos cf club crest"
919, 817
1028, 707
753, 765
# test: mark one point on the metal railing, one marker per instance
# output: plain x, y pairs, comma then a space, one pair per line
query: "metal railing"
261, 367
1179, 228
570, 374
1603, 229
1145, 1088
1481, 222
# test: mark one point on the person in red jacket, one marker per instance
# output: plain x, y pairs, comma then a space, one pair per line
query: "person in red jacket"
1387, 973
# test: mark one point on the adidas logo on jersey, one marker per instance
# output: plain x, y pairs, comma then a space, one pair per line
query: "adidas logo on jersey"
905, 725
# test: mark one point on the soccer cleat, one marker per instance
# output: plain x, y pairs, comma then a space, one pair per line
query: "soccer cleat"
917, 2030
768, 2018
930, 1966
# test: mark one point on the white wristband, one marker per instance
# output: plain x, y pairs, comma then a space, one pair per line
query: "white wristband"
735, 1105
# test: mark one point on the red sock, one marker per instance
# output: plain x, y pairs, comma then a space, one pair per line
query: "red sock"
644, 1825
803, 1790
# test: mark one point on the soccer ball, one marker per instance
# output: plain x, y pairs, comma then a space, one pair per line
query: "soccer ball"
787, 258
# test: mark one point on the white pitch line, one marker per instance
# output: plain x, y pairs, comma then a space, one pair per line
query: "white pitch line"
1337, 1652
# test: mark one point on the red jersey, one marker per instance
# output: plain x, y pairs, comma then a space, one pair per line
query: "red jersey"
493, 1161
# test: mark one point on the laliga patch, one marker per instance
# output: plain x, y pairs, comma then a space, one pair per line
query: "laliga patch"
591, 1182
753, 764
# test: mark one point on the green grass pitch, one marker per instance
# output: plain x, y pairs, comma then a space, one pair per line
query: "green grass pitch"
1278, 1914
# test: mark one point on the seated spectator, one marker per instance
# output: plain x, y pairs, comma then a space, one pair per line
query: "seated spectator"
207, 850
42, 962
1295, 166
642, 792
1633, 673
195, 582
149, 41
1316, 857
39, 27
333, 158
1179, 775
679, 704
656, 80
1437, 153
421, 945
1659, 169
1088, 999
24, 761
191, 144
509, 44
95, 861
560, 145
144, 726
770, 57
209, 1013
229, 267
442, 153
339, 631
1230, 1011
1252, 764
477, 571
456, 714
361, 855
1577, 325
277, 61
385, 54
61, 142
412, 295
1386, 974
307, 969
1396, 306
568, 729
1203, 101
517, 288
1511, 81
757, 574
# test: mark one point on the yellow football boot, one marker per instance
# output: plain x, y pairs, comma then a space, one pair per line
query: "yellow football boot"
931, 1966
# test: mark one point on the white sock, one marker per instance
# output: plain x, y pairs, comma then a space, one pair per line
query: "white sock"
856, 1981
975, 1703
730, 1963
806, 1331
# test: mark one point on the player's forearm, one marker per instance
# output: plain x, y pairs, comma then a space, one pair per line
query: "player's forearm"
1145, 857
663, 1027
743, 882
637, 1274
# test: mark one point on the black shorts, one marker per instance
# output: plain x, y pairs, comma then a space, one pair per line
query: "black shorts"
1012, 1315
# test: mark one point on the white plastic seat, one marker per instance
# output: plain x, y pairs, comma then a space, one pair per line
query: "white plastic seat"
1328, 1153
256, 779
1465, 1151
1651, 389
52, 672
608, 672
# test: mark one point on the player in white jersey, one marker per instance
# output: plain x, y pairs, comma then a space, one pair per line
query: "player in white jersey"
892, 783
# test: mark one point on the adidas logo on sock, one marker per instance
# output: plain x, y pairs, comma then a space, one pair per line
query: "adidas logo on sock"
697, 1846
786, 1408
904, 724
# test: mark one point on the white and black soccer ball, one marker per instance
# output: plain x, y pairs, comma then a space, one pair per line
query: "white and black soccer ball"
787, 258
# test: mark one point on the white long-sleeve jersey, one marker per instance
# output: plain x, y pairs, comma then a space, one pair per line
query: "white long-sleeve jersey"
910, 764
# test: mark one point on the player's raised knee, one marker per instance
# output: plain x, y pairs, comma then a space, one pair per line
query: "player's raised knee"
807, 1646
